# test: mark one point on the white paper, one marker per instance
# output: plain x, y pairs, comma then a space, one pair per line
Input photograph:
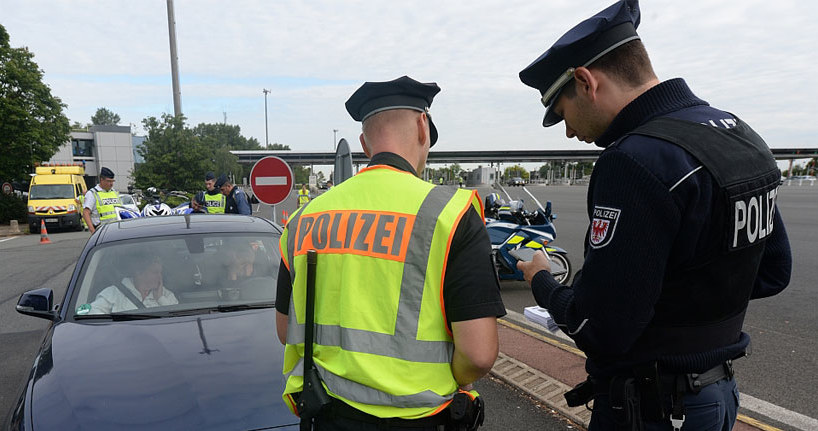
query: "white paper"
541, 316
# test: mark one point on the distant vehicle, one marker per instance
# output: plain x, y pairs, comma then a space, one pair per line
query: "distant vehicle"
129, 202
204, 356
55, 196
516, 181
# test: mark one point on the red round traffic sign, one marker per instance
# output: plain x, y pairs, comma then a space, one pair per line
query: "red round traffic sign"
7, 188
271, 180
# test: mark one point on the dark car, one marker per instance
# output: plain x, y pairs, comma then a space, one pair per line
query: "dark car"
168, 323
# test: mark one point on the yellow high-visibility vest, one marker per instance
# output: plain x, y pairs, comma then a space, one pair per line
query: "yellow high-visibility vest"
215, 203
105, 202
381, 343
303, 197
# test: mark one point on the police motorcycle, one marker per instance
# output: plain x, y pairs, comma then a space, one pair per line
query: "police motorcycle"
512, 228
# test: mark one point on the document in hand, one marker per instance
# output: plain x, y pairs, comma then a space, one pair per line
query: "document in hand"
541, 317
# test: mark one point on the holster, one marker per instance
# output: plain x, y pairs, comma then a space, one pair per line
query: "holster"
314, 398
625, 404
582, 393
466, 414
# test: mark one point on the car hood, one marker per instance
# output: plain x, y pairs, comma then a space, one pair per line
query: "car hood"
212, 371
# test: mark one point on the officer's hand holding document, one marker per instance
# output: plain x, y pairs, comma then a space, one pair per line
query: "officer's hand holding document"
535, 313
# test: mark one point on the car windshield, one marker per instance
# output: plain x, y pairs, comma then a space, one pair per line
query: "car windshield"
52, 191
177, 275
126, 200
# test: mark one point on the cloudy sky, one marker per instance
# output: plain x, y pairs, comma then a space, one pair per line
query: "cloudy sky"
755, 58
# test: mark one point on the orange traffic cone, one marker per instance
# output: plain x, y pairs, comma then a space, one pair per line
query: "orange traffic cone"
284, 218
43, 233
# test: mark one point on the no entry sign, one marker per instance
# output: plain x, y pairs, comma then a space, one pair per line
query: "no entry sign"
271, 180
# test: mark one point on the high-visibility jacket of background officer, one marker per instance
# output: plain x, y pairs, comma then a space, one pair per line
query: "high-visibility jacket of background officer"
370, 238
215, 202
105, 202
303, 197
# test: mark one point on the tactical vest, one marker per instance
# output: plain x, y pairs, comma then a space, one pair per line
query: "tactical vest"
215, 203
702, 308
105, 205
382, 344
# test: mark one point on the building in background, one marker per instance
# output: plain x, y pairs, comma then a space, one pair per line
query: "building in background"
111, 146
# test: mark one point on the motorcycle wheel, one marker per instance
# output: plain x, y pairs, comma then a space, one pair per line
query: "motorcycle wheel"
562, 260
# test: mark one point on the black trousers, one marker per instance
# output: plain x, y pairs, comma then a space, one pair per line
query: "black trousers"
344, 424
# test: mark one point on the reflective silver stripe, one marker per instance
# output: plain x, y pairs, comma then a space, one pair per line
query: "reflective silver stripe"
685, 177
364, 394
293, 222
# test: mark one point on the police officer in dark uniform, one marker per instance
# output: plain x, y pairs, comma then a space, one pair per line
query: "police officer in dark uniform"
684, 231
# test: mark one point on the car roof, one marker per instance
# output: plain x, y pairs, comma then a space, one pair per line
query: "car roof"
188, 224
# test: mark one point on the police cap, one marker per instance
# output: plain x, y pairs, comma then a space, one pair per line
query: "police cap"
402, 93
199, 198
579, 47
210, 176
106, 173
220, 182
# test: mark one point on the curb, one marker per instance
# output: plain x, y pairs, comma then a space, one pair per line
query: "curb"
550, 390
539, 385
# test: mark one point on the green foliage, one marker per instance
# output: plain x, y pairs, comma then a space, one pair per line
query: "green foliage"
12, 208
301, 174
104, 117
32, 124
516, 171
175, 158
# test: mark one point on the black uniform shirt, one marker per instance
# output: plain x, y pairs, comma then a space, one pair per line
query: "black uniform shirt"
471, 289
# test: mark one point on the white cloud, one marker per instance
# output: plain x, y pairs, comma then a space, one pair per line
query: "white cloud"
754, 58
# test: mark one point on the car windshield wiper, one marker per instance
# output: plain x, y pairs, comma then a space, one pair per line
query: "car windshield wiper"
224, 308
121, 316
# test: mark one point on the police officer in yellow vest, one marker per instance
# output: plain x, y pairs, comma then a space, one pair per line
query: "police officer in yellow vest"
407, 299
303, 195
215, 201
98, 205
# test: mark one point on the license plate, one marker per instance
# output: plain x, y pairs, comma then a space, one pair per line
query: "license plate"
52, 220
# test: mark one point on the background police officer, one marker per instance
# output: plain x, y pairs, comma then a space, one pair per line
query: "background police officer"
674, 251
235, 198
303, 195
416, 313
215, 201
98, 204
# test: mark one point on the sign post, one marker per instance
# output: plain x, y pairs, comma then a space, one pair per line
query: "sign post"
271, 180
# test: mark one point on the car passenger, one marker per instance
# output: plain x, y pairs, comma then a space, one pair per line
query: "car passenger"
241, 259
142, 289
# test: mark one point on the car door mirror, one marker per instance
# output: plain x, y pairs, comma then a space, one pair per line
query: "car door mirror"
38, 303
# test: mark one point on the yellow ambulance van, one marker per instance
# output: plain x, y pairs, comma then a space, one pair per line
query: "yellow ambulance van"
55, 195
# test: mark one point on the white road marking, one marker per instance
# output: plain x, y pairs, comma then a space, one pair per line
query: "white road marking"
753, 404
780, 414
7, 239
271, 181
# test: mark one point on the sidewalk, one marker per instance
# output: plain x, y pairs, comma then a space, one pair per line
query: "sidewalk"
546, 368
5, 230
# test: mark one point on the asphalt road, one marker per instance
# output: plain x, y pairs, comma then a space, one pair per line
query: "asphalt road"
783, 366
26, 264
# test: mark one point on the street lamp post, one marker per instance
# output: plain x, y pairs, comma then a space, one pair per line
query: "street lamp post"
266, 133
334, 140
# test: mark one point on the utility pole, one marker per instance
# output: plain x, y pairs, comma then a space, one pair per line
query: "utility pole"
334, 140
266, 135
174, 62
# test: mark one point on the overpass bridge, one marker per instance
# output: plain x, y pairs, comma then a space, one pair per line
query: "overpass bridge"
478, 156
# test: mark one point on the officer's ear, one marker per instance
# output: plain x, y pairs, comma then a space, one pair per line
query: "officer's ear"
422, 122
363, 145
586, 83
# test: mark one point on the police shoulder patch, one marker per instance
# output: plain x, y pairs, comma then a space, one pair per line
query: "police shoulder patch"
603, 226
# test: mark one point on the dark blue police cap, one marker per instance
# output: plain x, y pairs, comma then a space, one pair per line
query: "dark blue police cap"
401, 93
199, 198
210, 176
220, 182
579, 47
106, 173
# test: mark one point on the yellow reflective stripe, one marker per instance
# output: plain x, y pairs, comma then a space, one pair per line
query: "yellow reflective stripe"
533, 244
516, 239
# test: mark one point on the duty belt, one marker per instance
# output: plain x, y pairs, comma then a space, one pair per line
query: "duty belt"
642, 395
341, 409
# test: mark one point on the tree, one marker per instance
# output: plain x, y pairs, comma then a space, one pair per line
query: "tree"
516, 171
32, 124
105, 117
175, 158
301, 174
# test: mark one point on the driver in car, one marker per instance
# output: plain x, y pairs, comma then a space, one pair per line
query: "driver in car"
142, 289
